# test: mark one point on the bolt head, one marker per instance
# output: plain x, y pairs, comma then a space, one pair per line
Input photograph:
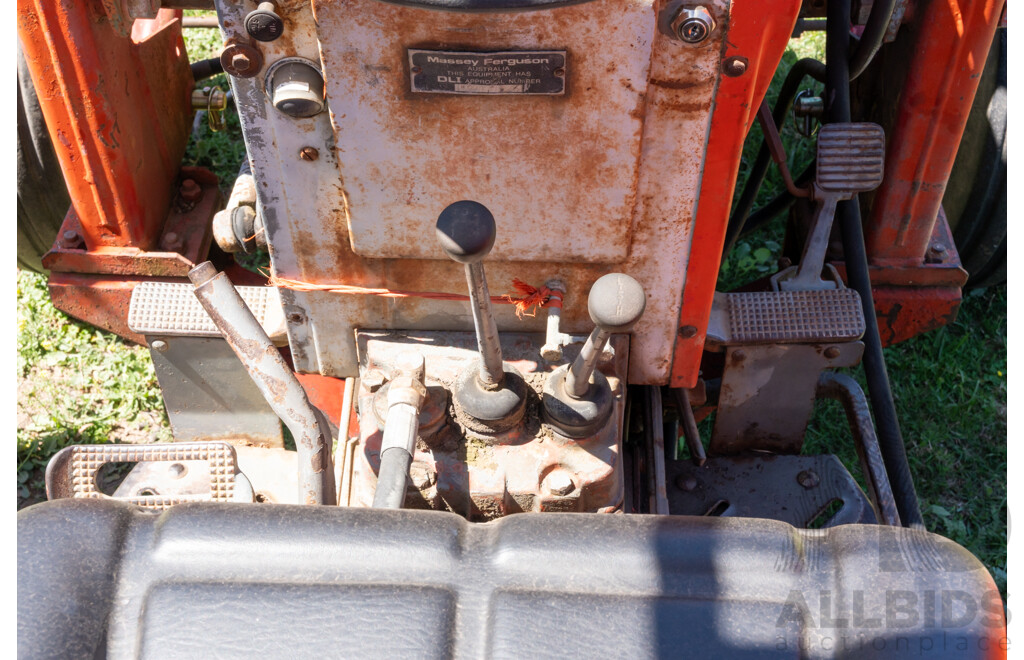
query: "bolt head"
558, 482
688, 332
158, 345
735, 66
808, 479
832, 352
309, 154
686, 483
240, 62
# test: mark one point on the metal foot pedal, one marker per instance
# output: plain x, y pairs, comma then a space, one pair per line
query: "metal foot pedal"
171, 308
73, 473
851, 160
787, 317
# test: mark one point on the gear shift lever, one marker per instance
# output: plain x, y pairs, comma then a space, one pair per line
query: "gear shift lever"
492, 394
577, 398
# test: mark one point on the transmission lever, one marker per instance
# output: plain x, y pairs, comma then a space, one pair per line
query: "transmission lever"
491, 394
577, 398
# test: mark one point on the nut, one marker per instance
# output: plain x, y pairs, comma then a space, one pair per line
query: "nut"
693, 24
558, 482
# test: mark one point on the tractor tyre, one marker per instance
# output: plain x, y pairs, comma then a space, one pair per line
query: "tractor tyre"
42, 194
975, 197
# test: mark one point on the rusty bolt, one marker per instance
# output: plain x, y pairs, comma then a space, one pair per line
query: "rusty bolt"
240, 62
808, 479
558, 482
171, 241
70, 238
832, 352
688, 332
190, 191
735, 66
309, 154
686, 483
158, 345
739, 355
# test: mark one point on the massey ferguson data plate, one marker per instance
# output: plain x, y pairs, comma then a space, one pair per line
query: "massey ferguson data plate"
517, 72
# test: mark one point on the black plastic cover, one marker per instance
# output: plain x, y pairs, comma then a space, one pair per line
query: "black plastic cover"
102, 578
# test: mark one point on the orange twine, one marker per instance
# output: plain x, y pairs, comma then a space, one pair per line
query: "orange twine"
531, 298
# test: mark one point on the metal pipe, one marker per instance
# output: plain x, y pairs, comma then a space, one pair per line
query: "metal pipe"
847, 391
199, 22
654, 433
345, 444
577, 380
690, 430
274, 378
406, 393
492, 370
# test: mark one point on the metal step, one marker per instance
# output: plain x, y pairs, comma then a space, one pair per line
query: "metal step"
171, 308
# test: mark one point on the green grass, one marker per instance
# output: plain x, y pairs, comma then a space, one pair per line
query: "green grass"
78, 384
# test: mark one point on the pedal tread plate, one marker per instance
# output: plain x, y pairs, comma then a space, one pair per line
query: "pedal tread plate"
777, 317
171, 308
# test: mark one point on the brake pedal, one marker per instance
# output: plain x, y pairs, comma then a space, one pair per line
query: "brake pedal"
851, 160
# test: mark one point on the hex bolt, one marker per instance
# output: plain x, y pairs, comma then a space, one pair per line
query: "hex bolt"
558, 482
693, 24
735, 67
158, 345
466, 231
808, 479
190, 191
240, 62
616, 302
171, 241
70, 238
309, 154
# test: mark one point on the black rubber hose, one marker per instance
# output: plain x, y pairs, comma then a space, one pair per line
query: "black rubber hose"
392, 479
788, 91
204, 69
855, 254
872, 37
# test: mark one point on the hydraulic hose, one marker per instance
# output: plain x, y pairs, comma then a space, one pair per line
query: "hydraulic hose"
837, 94
790, 87
204, 69
872, 37
392, 480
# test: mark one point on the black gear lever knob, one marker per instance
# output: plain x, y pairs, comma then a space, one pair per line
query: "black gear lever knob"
466, 231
